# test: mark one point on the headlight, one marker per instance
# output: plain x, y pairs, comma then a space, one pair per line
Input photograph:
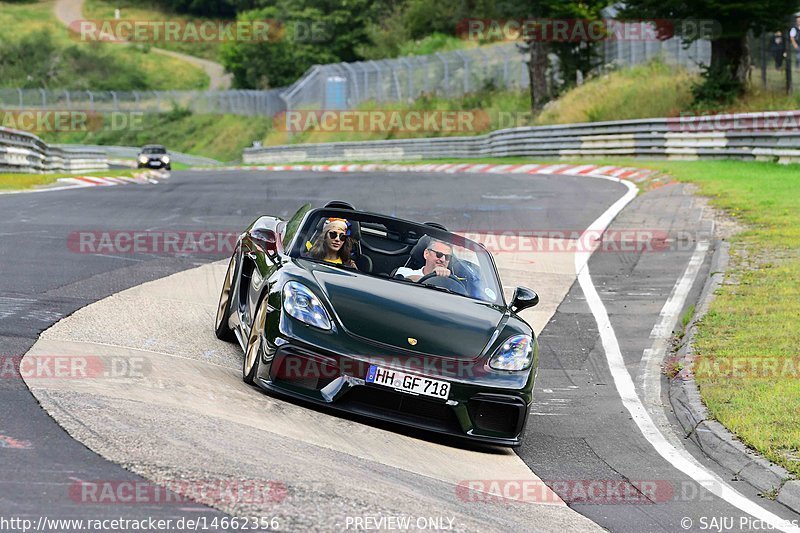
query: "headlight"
301, 304
165, 159
142, 159
516, 353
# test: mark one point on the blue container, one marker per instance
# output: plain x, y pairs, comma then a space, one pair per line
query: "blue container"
335, 93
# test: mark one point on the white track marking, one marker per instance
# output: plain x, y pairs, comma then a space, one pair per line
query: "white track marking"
679, 458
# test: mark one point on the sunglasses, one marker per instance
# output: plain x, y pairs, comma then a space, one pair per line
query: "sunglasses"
335, 235
439, 255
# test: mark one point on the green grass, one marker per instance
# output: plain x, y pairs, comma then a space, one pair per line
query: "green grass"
39, 52
644, 91
134, 10
491, 110
29, 181
221, 137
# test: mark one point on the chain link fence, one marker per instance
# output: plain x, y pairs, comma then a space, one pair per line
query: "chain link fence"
346, 85
775, 62
222, 102
672, 51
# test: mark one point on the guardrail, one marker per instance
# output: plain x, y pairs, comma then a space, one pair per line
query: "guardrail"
24, 153
766, 136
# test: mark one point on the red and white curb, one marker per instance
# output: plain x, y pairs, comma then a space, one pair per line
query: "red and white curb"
626, 173
149, 177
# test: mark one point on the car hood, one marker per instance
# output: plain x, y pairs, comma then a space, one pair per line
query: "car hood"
398, 314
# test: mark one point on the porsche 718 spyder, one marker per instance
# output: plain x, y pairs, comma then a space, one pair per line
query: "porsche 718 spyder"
443, 353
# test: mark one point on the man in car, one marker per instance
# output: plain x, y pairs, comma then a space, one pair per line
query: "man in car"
437, 259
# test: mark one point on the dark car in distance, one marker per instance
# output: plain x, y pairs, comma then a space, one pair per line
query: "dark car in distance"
443, 354
153, 156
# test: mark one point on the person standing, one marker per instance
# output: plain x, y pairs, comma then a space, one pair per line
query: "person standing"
776, 49
794, 39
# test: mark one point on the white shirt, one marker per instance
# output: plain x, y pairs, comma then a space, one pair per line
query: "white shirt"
793, 33
406, 272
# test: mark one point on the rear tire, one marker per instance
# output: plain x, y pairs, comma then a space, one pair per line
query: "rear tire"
221, 328
255, 349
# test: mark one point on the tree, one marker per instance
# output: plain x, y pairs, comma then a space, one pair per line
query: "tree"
573, 56
310, 32
732, 19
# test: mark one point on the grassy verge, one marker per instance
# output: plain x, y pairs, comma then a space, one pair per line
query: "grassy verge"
221, 137
753, 322
133, 10
10, 182
40, 53
491, 110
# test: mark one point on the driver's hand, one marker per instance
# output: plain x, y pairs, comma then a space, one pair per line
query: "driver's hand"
441, 271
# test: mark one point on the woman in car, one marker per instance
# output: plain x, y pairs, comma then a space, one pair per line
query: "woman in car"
333, 244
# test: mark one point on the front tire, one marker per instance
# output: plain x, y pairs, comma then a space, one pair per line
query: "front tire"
255, 345
221, 328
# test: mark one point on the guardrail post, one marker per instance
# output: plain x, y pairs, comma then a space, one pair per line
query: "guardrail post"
44, 97
21, 103
410, 74
427, 81
378, 88
354, 83
66, 96
446, 73
114, 99
465, 59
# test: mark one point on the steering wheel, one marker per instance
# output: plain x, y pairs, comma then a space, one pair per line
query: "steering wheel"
450, 282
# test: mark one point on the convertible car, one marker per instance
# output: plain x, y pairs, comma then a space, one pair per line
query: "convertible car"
441, 351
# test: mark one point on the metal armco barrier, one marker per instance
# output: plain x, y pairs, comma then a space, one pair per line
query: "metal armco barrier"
766, 136
25, 153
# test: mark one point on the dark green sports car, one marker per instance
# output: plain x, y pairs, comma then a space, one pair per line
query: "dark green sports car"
382, 317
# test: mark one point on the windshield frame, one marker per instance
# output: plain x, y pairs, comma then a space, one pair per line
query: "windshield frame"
154, 150
296, 248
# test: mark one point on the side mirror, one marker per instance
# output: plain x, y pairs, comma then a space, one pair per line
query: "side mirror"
267, 241
523, 298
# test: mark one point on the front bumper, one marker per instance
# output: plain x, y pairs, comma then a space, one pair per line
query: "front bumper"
480, 408
153, 163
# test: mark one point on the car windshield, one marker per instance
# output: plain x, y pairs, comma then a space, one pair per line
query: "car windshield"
154, 150
390, 248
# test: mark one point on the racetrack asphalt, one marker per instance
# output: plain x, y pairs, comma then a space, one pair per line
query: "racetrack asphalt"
579, 431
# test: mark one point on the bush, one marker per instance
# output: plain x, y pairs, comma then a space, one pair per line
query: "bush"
38, 61
716, 87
